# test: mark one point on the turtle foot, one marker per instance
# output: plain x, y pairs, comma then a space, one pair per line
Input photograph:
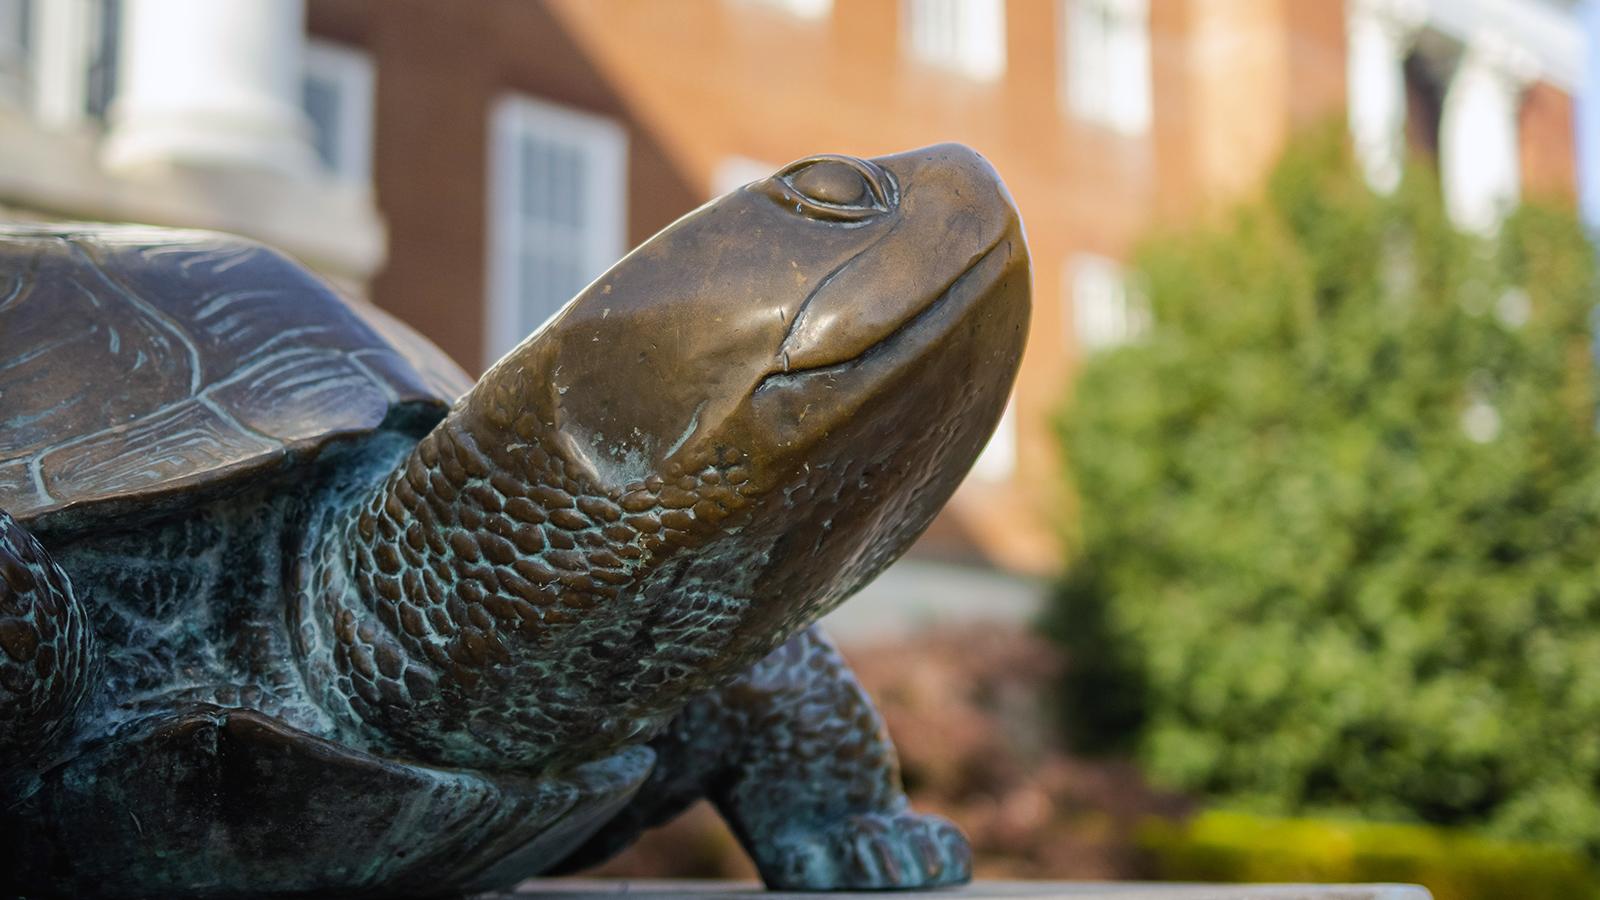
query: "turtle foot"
870, 851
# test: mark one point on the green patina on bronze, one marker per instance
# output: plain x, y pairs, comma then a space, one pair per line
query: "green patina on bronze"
288, 606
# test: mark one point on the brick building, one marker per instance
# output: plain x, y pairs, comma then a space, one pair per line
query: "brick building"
471, 164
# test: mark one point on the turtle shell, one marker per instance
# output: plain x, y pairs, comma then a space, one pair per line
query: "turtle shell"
140, 367
142, 370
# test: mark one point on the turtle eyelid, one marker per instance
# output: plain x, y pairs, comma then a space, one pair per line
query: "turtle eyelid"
884, 192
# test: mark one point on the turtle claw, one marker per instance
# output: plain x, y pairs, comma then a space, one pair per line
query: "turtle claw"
871, 851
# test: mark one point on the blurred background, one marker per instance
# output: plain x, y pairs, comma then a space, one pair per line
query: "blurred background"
1281, 564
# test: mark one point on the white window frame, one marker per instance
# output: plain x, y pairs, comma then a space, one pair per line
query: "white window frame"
964, 36
514, 118
1106, 311
353, 76
810, 10
1106, 63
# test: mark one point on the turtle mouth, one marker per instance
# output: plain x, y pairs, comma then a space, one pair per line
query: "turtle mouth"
921, 329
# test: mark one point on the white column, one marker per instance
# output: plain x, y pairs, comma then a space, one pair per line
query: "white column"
1480, 165
211, 82
1379, 37
59, 35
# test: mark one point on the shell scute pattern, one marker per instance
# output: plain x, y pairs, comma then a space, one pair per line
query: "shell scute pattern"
229, 357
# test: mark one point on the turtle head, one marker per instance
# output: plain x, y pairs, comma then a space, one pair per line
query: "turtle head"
840, 337
722, 437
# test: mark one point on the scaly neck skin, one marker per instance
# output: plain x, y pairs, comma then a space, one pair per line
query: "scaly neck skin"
488, 606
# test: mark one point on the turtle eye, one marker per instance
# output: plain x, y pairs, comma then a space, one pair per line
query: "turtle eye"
831, 182
834, 188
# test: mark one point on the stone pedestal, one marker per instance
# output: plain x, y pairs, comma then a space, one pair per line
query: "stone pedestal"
592, 889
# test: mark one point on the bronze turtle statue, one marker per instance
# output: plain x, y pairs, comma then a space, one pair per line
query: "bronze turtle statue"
290, 607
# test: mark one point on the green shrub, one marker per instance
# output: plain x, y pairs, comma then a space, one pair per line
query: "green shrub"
1452, 864
1340, 515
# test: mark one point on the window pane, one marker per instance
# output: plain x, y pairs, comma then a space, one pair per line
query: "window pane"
566, 173
15, 25
577, 180
1104, 312
559, 211
532, 278
100, 86
336, 93
553, 180
805, 9
965, 35
1128, 75
1106, 67
547, 279
530, 175
1087, 35
322, 105
566, 279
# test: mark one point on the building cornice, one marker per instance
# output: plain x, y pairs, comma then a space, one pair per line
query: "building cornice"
332, 226
1548, 33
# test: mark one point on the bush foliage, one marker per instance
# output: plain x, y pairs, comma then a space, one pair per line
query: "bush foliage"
1340, 514
1452, 864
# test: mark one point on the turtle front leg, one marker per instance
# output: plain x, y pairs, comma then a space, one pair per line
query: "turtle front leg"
46, 648
798, 762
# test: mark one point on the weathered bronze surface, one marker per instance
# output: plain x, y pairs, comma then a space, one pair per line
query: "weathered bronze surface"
281, 615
